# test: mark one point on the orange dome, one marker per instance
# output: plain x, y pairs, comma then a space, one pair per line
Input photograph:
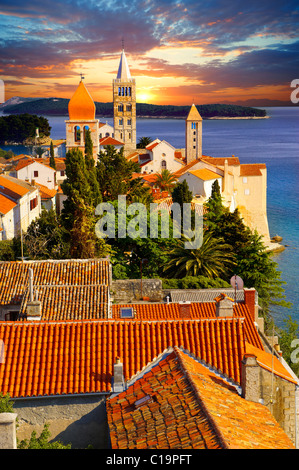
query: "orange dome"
81, 105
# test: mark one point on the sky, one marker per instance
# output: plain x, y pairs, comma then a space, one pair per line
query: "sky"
180, 52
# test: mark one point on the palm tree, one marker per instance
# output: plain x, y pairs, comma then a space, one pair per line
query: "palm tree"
166, 180
143, 142
212, 259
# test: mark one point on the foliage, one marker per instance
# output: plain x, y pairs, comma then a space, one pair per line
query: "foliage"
7, 252
46, 237
211, 259
52, 158
166, 180
42, 442
181, 193
114, 175
7, 154
39, 151
143, 142
289, 342
6, 404
17, 128
91, 170
194, 282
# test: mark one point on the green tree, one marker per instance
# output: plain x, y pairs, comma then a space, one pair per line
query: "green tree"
52, 158
114, 174
6, 404
181, 193
42, 442
143, 142
166, 180
91, 170
39, 151
288, 341
211, 259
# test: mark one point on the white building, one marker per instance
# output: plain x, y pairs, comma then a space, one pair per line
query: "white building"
34, 170
200, 181
157, 156
105, 130
20, 204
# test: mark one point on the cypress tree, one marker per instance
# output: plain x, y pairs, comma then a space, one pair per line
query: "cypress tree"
91, 171
52, 159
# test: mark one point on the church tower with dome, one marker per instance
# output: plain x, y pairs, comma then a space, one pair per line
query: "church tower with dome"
82, 112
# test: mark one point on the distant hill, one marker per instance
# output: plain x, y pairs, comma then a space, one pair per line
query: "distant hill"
59, 107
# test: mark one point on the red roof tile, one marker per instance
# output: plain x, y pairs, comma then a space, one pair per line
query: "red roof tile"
184, 405
50, 358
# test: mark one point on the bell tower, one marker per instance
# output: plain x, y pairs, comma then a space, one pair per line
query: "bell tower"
193, 135
124, 106
82, 117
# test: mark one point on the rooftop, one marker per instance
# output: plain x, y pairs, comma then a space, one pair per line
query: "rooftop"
179, 403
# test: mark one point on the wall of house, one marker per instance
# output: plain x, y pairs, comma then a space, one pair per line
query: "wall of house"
79, 420
46, 175
129, 290
8, 220
280, 397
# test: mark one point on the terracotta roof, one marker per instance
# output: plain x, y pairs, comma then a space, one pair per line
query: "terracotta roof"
110, 141
181, 404
50, 358
219, 161
185, 168
81, 105
205, 174
14, 275
26, 162
45, 192
6, 204
264, 359
252, 169
194, 311
71, 302
152, 146
13, 187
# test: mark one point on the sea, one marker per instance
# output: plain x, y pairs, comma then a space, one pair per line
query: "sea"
273, 141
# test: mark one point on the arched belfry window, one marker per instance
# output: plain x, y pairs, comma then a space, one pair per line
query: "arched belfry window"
129, 91
163, 164
193, 125
77, 134
85, 129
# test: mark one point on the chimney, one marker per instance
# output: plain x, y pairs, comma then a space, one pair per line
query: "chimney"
118, 382
8, 438
250, 378
33, 308
249, 300
224, 306
185, 310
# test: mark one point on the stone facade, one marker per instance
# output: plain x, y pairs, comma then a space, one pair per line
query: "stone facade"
79, 142
76, 420
124, 103
8, 438
129, 290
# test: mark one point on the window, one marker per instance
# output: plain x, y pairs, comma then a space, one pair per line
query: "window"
107, 134
33, 203
129, 122
77, 134
85, 129
100, 135
62, 173
126, 91
129, 107
129, 135
194, 146
247, 192
126, 313
120, 108
122, 91
193, 125
245, 179
194, 132
119, 91
129, 91
35, 174
163, 165
120, 122
194, 139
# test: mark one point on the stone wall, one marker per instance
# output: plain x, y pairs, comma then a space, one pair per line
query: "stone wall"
80, 421
129, 290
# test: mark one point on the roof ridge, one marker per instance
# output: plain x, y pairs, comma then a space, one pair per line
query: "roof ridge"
210, 418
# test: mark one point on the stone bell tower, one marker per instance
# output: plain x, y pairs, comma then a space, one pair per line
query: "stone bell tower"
124, 106
193, 135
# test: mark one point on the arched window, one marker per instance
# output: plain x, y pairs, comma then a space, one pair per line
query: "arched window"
122, 91
163, 164
107, 134
77, 134
126, 91
129, 91
85, 129
119, 91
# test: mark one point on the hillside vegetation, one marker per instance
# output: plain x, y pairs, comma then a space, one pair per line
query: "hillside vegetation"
59, 107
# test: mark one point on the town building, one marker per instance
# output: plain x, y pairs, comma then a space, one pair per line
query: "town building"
75, 360
20, 204
35, 170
